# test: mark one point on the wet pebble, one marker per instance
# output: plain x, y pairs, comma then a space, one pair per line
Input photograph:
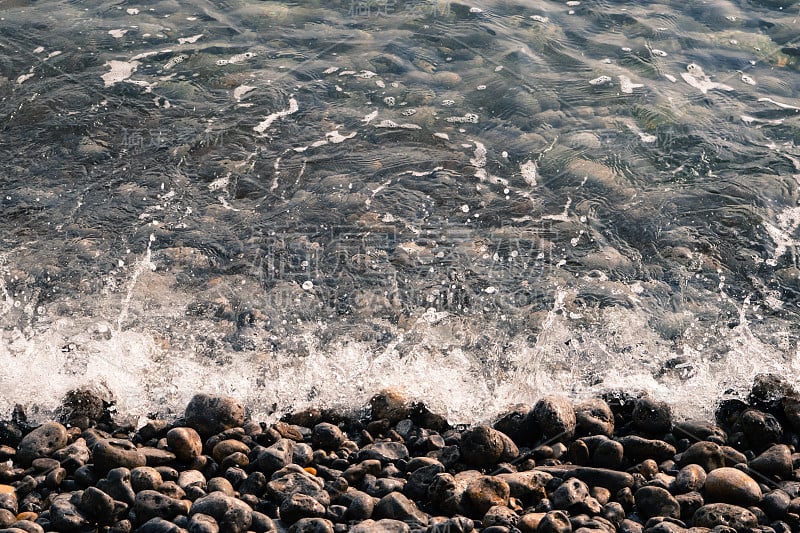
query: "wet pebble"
483, 445
656, 501
209, 414
554, 417
652, 416
731, 485
41, 442
725, 514
185, 442
109, 454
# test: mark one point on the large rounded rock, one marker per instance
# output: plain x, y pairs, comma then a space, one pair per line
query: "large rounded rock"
232, 514
554, 417
594, 417
276, 456
708, 455
389, 404
185, 443
212, 414
486, 492
384, 451
98, 505
572, 492
655, 501
690, 478
327, 436
761, 429
299, 506
515, 424
652, 416
202, 523
731, 485
312, 525
64, 516
151, 504
638, 448
228, 447
725, 514
775, 461
41, 442
484, 446
109, 454
396, 506
554, 522
768, 391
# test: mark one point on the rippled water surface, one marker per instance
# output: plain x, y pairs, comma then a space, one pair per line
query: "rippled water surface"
300, 203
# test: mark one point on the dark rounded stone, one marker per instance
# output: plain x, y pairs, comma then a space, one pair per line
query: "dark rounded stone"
571, 492
774, 461
82, 408
389, 404
98, 505
9, 502
690, 478
724, 514
689, 502
275, 457
360, 505
791, 409
312, 525
594, 417
117, 484
65, 516
384, 451
655, 501
554, 417
232, 514
41, 442
638, 448
108, 454
761, 429
768, 390
213, 414
500, 515
145, 478
775, 503
420, 479
327, 436
555, 522
485, 492
220, 484
299, 506
652, 416
516, 425
227, 447
608, 454
185, 443
396, 506
699, 430
202, 523
159, 525
731, 485
294, 479
26, 526
528, 485
151, 504
482, 446
708, 455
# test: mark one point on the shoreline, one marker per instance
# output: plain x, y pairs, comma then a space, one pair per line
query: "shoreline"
616, 463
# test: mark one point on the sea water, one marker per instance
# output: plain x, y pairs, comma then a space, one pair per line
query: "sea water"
299, 204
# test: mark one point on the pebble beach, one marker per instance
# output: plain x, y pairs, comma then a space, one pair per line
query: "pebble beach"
616, 463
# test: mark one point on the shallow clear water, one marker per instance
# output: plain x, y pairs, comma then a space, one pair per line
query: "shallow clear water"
301, 203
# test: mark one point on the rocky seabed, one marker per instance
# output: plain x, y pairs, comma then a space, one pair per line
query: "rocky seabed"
619, 462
